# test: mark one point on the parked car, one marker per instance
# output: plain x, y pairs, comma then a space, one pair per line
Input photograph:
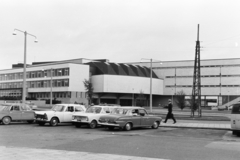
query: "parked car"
32, 105
91, 116
235, 119
128, 118
15, 112
60, 113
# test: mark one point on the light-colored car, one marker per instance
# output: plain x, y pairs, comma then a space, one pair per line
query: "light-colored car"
128, 118
60, 113
16, 112
235, 119
91, 116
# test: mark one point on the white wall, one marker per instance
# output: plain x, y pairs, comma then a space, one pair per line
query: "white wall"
77, 74
126, 84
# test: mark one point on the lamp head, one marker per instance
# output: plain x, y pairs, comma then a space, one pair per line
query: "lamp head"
14, 33
36, 41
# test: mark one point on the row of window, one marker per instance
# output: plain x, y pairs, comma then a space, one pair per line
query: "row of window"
47, 95
207, 66
190, 86
37, 84
10, 93
58, 95
204, 76
36, 74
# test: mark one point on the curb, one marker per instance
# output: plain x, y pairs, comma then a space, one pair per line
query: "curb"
217, 128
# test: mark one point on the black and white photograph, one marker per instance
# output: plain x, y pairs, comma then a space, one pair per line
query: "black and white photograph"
120, 80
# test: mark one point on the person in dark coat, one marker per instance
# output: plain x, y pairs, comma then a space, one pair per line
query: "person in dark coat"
170, 114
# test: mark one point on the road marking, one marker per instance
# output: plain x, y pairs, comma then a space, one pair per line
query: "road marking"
16, 153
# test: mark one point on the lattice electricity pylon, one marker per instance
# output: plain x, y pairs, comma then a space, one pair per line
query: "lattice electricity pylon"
196, 90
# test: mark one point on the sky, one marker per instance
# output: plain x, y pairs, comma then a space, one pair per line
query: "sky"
118, 30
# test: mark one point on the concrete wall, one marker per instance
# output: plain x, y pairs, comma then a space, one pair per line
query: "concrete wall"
126, 84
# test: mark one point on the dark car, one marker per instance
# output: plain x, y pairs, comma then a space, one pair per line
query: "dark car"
128, 118
16, 112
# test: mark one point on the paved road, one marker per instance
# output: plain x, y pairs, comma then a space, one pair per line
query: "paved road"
23, 141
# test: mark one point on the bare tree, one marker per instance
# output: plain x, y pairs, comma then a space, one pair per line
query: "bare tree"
89, 90
180, 99
193, 106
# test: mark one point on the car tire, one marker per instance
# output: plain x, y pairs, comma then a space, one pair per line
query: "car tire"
6, 120
54, 122
234, 132
41, 123
93, 124
155, 125
77, 125
128, 127
30, 121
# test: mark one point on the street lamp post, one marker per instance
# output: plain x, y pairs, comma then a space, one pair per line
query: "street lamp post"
25, 57
150, 81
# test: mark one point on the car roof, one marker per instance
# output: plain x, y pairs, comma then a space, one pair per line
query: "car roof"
65, 104
132, 107
105, 106
10, 104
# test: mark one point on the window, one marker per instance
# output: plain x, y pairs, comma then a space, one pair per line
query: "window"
70, 109
66, 71
66, 82
15, 108
142, 112
78, 109
236, 109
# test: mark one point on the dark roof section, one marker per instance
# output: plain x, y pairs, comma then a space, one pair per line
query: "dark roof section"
101, 68
19, 65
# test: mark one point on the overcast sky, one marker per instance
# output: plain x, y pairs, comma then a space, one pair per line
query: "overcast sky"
118, 30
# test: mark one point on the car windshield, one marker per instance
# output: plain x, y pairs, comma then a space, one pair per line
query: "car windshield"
120, 111
58, 108
94, 110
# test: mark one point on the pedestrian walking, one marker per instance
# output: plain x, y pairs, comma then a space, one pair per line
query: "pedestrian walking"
170, 114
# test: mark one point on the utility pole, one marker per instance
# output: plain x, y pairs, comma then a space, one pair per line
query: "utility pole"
196, 90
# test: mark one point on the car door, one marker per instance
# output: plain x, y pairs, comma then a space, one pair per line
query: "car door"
235, 117
27, 113
15, 112
145, 119
69, 111
136, 118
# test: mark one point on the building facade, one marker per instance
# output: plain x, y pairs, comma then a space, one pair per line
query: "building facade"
124, 84
220, 79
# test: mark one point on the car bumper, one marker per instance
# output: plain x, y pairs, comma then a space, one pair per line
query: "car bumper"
41, 120
109, 124
82, 122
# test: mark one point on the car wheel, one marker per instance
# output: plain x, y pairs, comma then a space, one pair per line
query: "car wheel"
6, 120
234, 132
54, 122
41, 123
77, 125
93, 124
128, 127
155, 125
30, 121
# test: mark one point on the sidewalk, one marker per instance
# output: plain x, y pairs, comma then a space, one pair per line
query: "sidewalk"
17, 153
198, 125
